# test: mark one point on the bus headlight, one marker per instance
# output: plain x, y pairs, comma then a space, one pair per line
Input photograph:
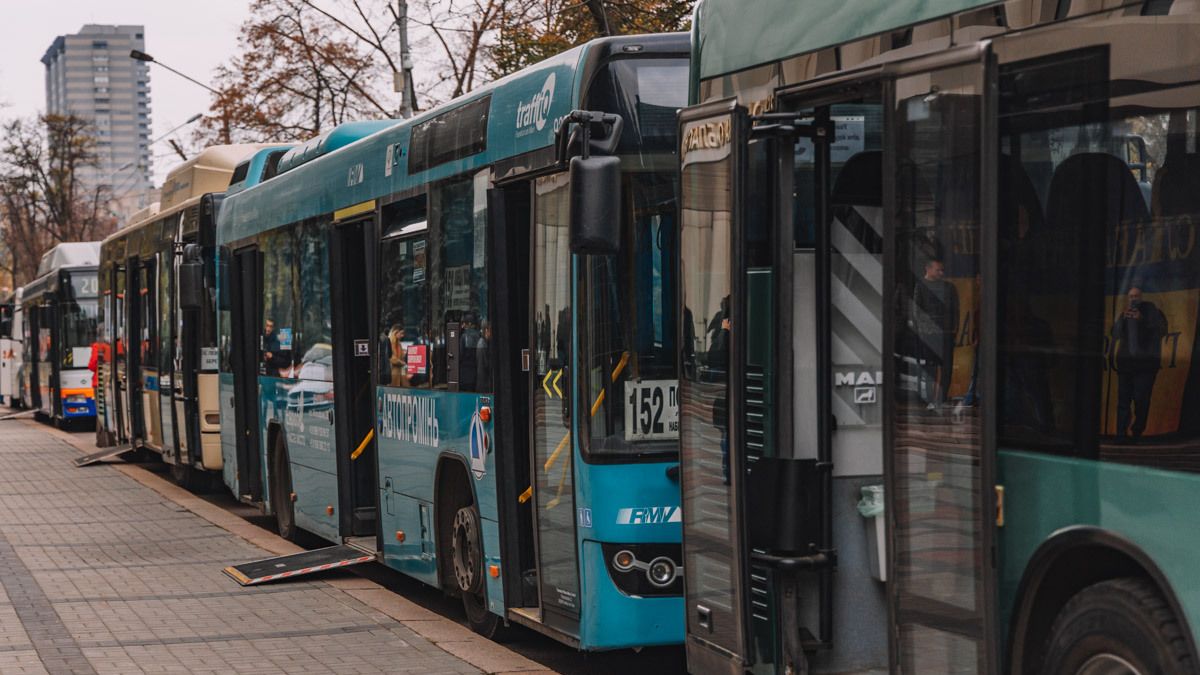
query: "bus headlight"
661, 572
77, 398
623, 561
644, 569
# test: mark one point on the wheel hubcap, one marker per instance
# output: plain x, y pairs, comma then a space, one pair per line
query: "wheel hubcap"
464, 551
1107, 664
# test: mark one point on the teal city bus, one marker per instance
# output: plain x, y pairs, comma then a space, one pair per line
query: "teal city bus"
430, 357
940, 390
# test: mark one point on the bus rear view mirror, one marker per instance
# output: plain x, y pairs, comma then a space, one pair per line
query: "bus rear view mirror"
595, 205
191, 279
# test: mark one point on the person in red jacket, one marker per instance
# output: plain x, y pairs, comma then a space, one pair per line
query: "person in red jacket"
94, 366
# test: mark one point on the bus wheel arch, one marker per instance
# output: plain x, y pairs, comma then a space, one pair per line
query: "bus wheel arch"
453, 490
1071, 561
459, 532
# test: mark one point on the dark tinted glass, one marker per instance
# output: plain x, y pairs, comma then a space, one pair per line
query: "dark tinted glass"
459, 133
1100, 274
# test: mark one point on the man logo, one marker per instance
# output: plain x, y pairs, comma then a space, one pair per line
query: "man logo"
479, 447
649, 515
532, 114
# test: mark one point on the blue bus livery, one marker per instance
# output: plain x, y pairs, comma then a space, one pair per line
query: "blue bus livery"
416, 363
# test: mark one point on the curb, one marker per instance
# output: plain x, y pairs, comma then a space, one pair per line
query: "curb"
449, 636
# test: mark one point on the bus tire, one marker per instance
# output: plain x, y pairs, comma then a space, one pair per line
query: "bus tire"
189, 477
281, 490
466, 553
1117, 626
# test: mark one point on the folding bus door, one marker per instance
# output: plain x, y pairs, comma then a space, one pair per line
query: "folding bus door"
714, 556
939, 448
553, 449
246, 306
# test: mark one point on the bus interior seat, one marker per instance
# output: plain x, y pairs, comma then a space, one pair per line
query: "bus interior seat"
857, 188
860, 181
1090, 195
1175, 191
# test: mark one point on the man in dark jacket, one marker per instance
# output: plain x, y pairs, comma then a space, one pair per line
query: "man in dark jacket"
274, 358
935, 322
1137, 340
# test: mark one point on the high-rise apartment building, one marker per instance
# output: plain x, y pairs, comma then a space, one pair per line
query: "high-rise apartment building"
91, 75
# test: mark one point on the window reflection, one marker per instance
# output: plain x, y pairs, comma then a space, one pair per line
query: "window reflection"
1100, 275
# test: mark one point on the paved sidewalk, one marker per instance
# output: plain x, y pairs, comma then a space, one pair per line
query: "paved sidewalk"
112, 569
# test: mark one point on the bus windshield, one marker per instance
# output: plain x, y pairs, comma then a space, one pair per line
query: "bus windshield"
78, 318
628, 300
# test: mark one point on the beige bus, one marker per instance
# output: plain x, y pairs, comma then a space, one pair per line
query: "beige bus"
157, 389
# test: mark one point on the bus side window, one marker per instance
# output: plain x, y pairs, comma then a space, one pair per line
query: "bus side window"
458, 239
404, 340
1097, 317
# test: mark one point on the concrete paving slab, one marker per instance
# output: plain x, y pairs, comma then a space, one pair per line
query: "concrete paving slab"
113, 569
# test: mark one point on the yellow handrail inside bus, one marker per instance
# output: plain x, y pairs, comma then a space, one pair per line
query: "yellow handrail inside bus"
563, 443
362, 447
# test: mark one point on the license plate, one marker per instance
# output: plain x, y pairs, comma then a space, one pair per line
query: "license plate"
652, 410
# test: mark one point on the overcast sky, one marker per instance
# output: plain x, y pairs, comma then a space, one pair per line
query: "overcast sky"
191, 36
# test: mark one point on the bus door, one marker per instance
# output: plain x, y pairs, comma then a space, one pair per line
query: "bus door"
36, 354
350, 253
119, 370
509, 218
712, 139
185, 340
48, 358
246, 323
148, 346
552, 456
134, 300
806, 376
939, 449
7, 354
168, 348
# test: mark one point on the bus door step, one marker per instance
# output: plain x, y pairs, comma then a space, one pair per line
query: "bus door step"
298, 564
96, 457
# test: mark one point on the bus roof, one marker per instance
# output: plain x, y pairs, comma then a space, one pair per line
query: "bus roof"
730, 38
209, 171
70, 254
337, 137
518, 117
256, 168
75, 255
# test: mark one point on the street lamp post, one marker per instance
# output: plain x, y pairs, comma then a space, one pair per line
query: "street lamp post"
137, 55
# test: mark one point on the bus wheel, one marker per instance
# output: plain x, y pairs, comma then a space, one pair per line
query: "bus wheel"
281, 490
1117, 627
183, 475
467, 556
190, 478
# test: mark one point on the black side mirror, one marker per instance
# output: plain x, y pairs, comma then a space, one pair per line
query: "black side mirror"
595, 205
191, 280
595, 180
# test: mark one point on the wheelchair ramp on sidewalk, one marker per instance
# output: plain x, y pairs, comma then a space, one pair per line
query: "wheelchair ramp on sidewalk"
102, 455
299, 564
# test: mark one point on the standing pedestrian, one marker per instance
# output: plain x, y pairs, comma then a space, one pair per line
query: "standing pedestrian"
1137, 347
935, 319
